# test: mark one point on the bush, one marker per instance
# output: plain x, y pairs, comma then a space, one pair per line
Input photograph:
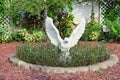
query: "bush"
18, 35
65, 25
3, 31
116, 28
39, 36
114, 32
31, 13
82, 55
92, 32
38, 55
24, 35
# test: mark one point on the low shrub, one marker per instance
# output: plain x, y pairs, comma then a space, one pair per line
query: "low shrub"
92, 32
82, 55
24, 35
3, 36
39, 36
18, 35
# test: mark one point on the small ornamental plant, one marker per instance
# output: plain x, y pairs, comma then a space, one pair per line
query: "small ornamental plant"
46, 54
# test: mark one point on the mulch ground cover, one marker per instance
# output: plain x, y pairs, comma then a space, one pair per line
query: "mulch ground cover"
9, 71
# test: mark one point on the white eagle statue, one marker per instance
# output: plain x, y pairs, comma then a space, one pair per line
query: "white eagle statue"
68, 42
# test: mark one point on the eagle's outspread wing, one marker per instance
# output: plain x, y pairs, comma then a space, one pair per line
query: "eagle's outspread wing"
77, 33
52, 32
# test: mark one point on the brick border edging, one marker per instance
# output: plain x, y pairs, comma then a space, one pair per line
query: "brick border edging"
103, 65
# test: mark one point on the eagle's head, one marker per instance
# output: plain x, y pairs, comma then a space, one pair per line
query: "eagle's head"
66, 40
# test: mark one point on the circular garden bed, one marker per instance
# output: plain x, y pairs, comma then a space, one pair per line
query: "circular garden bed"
103, 65
46, 58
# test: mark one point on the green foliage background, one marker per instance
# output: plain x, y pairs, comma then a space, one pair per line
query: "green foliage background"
31, 14
37, 7
111, 9
3, 11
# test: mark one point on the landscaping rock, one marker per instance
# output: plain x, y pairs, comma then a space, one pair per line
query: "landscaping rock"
103, 65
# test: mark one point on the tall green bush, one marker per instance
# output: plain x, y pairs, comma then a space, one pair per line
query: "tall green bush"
65, 24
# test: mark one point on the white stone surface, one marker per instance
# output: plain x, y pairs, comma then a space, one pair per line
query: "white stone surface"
103, 65
84, 9
105, 28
